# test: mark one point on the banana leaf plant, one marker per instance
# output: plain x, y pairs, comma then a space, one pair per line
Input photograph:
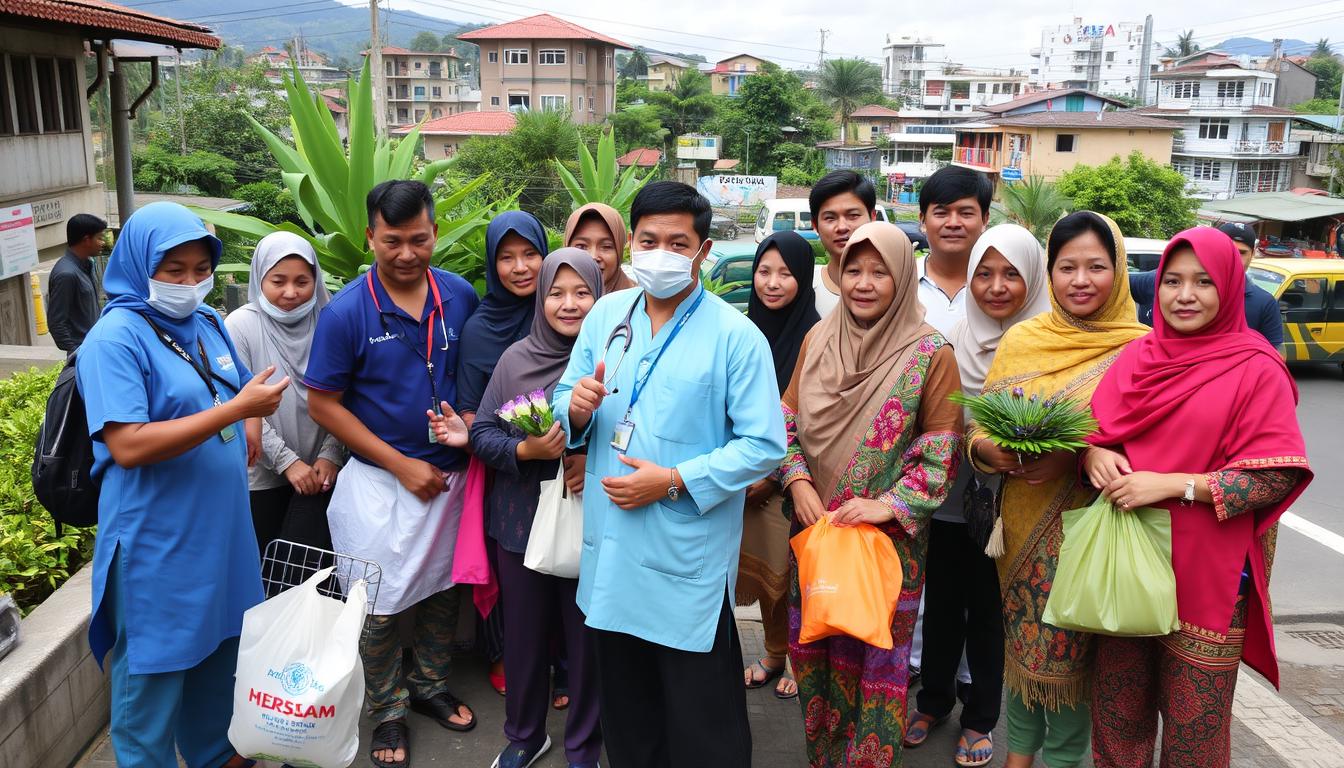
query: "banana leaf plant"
330, 182
602, 180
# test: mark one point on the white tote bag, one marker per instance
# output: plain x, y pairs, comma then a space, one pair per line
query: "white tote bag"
556, 541
299, 688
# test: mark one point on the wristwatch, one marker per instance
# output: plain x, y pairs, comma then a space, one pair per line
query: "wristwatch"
673, 492
1189, 497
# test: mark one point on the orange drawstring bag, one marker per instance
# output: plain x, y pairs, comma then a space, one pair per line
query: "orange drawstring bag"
850, 580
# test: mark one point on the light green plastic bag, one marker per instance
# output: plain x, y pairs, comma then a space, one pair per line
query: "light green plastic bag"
1114, 575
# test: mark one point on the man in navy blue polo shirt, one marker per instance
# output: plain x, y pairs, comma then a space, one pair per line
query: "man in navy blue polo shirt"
383, 360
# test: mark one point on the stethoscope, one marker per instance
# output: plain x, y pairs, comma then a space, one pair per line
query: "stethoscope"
623, 328
438, 309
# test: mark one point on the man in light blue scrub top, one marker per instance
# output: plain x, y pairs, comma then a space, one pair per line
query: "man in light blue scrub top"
674, 393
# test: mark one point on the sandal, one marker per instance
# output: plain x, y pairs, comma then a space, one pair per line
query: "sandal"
786, 696
972, 754
443, 706
771, 675
921, 725
497, 679
556, 703
391, 735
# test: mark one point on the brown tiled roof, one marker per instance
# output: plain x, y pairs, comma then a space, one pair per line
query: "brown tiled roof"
543, 26
644, 158
1195, 69
96, 18
1052, 119
875, 110
1039, 96
1258, 110
467, 124
392, 50
726, 164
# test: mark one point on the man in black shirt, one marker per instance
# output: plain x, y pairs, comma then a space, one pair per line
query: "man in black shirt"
74, 290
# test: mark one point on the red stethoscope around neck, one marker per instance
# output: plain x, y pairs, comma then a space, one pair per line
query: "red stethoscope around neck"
438, 310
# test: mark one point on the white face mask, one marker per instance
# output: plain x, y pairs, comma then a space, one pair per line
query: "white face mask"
662, 273
179, 301
288, 316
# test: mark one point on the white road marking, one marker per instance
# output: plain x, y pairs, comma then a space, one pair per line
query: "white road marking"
1287, 731
1320, 535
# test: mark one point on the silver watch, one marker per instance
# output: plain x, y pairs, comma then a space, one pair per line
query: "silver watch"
1189, 497
673, 492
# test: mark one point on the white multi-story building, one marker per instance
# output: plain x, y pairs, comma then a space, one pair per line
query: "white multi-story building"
425, 86
1233, 139
917, 72
1103, 57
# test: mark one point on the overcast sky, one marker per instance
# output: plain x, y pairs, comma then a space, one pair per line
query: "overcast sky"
991, 33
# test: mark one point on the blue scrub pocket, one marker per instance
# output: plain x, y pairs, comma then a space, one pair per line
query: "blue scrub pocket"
683, 410
674, 542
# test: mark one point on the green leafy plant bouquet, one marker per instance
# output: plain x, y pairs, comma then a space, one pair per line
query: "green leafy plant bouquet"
1030, 425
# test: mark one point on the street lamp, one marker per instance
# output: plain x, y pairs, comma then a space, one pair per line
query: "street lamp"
748, 163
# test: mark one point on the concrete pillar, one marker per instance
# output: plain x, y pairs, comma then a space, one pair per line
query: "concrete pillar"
121, 142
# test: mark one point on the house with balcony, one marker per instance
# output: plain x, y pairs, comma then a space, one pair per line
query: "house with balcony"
1058, 100
871, 123
954, 88
915, 151
864, 159
1050, 143
1320, 139
312, 65
424, 86
664, 71
1233, 140
545, 62
727, 76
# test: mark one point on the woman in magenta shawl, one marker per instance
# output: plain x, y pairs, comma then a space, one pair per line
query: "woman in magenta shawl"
1198, 418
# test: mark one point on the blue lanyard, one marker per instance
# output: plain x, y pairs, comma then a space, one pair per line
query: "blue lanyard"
642, 380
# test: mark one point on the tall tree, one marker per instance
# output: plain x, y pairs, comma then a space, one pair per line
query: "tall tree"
847, 84
426, 42
1185, 45
636, 65
688, 105
1323, 48
1144, 197
1328, 71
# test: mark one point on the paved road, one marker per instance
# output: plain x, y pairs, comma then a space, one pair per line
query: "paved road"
1302, 725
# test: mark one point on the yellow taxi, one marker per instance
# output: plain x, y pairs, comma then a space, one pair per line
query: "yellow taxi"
1310, 293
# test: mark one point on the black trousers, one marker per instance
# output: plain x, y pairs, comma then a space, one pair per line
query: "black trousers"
666, 708
962, 609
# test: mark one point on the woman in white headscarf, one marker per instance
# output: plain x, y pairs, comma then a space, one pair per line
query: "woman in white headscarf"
299, 460
1008, 283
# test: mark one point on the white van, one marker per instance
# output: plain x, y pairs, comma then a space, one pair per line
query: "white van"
793, 214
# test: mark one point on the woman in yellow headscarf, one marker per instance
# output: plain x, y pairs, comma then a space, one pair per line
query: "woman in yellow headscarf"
1059, 355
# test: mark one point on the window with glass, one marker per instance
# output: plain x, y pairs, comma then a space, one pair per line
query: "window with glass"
1231, 89
1065, 142
553, 102
551, 56
1206, 170
520, 101
515, 56
1185, 89
492, 57
25, 97
494, 101
1210, 128
581, 57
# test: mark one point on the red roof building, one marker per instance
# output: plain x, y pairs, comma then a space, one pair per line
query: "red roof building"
444, 137
644, 158
545, 62
98, 19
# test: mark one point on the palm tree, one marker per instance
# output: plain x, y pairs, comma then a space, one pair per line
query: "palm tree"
1035, 204
689, 104
1323, 48
1185, 45
847, 84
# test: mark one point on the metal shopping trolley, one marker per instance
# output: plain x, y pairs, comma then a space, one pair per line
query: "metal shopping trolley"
287, 564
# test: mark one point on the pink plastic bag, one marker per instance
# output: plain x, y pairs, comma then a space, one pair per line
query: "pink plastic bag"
470, 562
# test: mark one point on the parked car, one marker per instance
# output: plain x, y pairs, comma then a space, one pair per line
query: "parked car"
785, 214
1144, 253
1310, 293
723, 227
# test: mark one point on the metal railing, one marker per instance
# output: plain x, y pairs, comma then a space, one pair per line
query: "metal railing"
988, 158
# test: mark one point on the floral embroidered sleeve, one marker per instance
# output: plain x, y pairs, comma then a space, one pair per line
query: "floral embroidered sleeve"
1237, 491
930, 463
794, 467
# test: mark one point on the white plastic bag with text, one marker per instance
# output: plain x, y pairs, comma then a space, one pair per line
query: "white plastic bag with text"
299, 688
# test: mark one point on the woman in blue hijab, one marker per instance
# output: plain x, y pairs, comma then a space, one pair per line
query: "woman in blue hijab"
175, 561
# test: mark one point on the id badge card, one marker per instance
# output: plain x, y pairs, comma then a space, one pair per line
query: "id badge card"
620, 436
229, 433
433, 438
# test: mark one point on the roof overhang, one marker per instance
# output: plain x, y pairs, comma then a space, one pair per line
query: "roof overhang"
96, 19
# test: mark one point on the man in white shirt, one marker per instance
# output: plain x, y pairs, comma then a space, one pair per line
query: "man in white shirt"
840, 203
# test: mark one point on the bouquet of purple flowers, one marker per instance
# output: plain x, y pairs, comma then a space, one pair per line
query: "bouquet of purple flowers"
531, 413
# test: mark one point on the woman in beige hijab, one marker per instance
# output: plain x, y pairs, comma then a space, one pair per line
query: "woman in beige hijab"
600, 230
872, 439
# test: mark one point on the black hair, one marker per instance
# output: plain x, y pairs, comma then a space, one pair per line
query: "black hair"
82, 225
672, 197
950, 184
398, 202
838, 183
1075, 225
1239, 232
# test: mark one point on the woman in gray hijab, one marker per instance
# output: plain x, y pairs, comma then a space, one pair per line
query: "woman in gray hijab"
292, 480
536, 604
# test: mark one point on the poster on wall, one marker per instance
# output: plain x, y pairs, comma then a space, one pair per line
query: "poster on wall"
745, 191
18, 241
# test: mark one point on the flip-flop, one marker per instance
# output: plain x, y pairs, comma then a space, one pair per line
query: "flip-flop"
922, 721
966, 749
391, 735
555, 698
786, 696
771, 675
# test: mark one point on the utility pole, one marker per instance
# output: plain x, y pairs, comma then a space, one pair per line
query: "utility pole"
1145, 61
821, 52
181, 115
376, 71
748, 131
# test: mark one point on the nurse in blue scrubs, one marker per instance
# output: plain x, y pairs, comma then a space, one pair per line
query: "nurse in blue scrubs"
175, 561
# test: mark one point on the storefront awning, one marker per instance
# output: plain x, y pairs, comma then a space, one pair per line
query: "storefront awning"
1277, 206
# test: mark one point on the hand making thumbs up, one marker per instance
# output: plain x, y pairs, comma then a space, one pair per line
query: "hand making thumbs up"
587, 397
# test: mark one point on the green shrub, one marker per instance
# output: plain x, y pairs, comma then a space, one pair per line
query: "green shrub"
33, 561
